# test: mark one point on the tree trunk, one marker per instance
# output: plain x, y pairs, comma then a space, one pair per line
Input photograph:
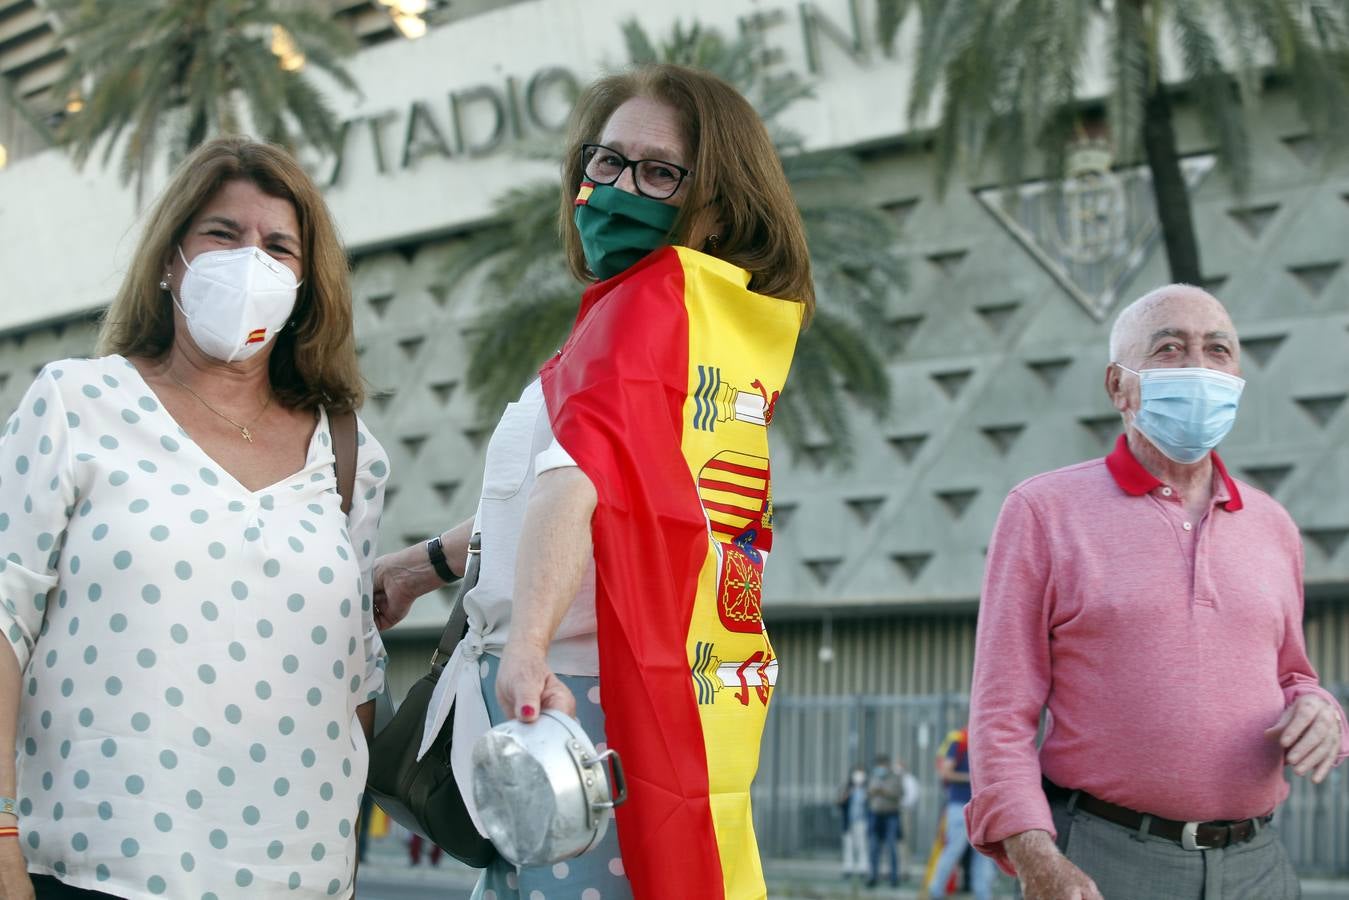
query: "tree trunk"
1169, 189
196, 132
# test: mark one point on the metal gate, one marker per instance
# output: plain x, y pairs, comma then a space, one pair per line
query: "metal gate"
811, 744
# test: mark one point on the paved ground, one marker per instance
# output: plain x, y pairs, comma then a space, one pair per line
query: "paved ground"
386, 875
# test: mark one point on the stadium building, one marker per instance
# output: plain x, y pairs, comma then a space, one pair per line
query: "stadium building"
998, 342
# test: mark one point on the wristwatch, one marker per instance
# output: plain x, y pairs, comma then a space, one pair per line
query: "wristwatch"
438, 562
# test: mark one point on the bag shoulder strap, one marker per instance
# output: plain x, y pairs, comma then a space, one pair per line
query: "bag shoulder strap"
458, 621
342, 431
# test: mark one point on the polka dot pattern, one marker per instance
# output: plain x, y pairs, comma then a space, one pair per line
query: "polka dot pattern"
164, 647
595, 875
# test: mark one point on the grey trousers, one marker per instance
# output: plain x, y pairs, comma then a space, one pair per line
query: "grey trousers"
1129, 866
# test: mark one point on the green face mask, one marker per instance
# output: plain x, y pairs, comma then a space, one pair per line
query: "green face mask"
617, 228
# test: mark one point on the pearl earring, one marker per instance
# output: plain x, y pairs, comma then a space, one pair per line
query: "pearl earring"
164, 282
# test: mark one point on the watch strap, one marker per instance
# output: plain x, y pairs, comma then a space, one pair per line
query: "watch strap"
436, 553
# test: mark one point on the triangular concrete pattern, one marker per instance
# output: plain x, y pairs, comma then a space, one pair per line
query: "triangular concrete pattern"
998, 316
1315, 276
822, 570
864, 508
1267, 478
952, 382
996, 344
908, 445
1322, 407
411, 346
911, 564
1049, 371
1254, 219
443, 391
1214, 284
1262, 348
380, 304
476, 436
957, 500
947, 261
1327, 540
901, 211
445, 491
902, 330
1105, 428
413, 443
782, 515
1002, 437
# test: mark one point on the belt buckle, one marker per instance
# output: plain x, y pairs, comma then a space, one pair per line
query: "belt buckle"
1188, 832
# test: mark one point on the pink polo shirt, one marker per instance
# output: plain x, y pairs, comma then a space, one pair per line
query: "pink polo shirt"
1162, 647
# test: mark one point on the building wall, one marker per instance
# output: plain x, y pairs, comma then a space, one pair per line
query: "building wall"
995, 371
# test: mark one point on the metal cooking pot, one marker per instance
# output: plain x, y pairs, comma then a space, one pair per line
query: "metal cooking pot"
543, 792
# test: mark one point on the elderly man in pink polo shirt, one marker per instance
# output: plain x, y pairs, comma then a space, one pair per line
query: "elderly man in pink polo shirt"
1152, 604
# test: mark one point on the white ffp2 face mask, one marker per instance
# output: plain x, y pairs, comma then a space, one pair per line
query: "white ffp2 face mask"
235, 301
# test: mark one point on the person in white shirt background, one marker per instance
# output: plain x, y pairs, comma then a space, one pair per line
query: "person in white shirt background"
188, 611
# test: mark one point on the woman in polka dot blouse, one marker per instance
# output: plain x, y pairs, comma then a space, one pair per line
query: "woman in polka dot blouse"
188, 609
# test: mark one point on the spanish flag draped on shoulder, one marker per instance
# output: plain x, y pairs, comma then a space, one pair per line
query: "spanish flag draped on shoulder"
662, 395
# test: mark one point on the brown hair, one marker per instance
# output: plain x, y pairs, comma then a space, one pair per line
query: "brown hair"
736, 179
314, 360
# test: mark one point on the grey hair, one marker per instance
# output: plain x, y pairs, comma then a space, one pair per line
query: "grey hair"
1120, 332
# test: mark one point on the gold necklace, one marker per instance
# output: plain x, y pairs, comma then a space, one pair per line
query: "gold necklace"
243, 429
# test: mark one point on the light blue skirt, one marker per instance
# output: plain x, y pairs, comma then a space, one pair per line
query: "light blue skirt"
595, 875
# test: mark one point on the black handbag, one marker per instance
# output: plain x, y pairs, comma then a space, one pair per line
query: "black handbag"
422, 795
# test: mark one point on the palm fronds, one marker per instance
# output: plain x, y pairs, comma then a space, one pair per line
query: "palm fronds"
1006, 75
161, 75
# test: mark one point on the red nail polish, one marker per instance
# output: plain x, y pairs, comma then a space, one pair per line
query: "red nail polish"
527, 711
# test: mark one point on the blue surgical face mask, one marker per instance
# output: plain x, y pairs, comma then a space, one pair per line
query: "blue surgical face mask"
1185, 413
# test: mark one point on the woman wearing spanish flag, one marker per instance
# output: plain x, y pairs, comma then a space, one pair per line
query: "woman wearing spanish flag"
626, 510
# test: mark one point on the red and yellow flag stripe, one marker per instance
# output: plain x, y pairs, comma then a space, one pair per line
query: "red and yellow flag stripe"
662, 395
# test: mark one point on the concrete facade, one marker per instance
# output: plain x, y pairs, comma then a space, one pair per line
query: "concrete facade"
996, 371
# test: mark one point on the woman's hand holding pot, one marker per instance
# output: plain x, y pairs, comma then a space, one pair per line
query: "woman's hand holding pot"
525, 684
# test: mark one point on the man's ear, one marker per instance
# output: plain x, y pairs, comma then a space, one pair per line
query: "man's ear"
1111, 380
1116, 388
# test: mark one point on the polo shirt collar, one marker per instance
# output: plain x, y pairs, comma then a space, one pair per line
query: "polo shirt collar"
1135, 480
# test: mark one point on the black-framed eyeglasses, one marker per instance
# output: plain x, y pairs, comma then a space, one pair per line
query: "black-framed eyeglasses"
654, 178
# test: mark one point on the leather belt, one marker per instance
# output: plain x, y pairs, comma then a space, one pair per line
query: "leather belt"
1190, 835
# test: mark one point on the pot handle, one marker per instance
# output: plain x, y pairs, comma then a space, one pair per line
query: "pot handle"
617, 781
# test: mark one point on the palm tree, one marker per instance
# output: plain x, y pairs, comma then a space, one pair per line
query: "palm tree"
170, 73
852, 253
1009, 73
